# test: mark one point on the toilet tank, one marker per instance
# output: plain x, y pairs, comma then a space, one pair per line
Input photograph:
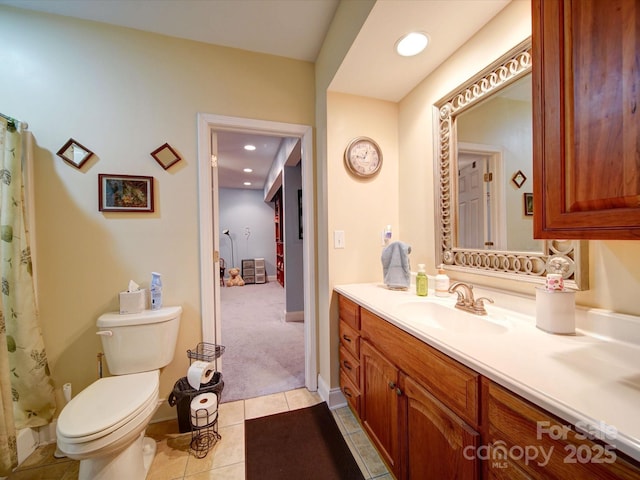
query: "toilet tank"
139, 342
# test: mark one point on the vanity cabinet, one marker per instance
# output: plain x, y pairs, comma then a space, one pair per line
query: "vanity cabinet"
349, 330
430, 417
419, 407
528, 442
586, 128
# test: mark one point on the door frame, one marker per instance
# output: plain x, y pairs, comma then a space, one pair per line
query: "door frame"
209, 287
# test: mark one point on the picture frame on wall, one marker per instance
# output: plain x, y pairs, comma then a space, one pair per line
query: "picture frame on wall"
125, 193
528, 204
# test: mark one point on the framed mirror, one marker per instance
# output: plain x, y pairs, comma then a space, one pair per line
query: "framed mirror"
74, 153
483, 139
165, 156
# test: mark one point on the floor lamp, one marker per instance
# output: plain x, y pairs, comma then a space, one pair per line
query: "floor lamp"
233, 260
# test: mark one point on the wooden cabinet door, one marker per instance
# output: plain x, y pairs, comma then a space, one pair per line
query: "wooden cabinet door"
555, 450
379, 403
438, 444
586, 119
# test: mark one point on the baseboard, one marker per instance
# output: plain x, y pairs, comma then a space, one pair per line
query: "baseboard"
333, 397
294, 316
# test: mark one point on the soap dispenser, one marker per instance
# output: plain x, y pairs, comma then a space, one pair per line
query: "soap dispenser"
442, 283
156, 291
421, 281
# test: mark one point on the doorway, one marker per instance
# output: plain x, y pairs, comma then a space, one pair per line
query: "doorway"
210, 227
480, 190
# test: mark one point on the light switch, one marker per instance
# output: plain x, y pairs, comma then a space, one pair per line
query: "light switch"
338, 239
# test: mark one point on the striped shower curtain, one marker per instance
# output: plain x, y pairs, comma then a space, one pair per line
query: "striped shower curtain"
26, 388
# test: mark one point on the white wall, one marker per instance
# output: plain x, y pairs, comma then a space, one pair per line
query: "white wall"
293, 271
239, 209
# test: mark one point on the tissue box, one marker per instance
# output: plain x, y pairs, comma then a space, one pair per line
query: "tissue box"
132, 302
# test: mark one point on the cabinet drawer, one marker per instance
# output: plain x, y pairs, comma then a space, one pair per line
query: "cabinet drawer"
451, 382
350, 339
350, 391
247, 263
350, 365
349, 312
514, 422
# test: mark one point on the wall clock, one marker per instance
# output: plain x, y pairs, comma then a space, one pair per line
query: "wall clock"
363, 157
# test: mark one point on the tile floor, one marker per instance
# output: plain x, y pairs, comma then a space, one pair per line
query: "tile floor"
225, 461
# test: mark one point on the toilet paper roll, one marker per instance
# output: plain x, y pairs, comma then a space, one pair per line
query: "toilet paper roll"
204, 409
200, 372
66, 391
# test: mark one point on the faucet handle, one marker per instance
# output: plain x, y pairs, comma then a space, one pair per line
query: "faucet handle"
480, 301
478, 305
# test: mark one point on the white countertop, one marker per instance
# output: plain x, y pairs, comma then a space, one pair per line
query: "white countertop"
587, 379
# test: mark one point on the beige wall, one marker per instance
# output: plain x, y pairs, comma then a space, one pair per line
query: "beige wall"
122, 93
346, 24
614, 265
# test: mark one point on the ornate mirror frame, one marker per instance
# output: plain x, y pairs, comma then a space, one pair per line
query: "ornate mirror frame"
568, 257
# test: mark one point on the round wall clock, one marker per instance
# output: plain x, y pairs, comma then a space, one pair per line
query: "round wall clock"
363, 157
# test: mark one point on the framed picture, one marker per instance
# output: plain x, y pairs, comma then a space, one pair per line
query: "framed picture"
165, 156
74, 153
528, 204
125, 193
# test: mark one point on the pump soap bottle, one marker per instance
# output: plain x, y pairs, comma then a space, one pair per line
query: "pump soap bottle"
421, 281
156, 291
442, 283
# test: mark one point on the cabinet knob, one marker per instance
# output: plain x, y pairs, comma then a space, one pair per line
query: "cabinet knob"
347, 365
347, 339
392, 385
398, 392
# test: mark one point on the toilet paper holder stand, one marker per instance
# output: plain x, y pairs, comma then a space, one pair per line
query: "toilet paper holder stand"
204, 433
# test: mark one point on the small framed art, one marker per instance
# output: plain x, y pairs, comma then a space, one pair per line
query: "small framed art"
528, 204
74, 153
125, 193
165, 156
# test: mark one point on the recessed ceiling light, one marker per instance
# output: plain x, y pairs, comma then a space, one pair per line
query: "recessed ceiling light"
247, 170
251, 148
247, 183
412, 44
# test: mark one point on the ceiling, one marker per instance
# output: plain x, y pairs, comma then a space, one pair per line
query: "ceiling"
296, 29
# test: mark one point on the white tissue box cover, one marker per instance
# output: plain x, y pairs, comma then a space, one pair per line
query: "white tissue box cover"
132, 302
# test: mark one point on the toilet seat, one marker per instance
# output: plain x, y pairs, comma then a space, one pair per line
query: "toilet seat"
107, 410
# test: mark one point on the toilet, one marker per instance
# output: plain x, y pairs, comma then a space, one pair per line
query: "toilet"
103, 426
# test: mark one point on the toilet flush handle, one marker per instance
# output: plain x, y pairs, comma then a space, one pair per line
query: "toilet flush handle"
105, 333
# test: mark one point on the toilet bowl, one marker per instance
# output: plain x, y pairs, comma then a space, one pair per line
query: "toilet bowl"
103, 426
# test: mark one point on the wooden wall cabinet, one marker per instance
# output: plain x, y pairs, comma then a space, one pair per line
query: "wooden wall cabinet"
586, 119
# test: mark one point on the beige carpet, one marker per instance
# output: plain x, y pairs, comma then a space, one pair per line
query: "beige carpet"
263, 353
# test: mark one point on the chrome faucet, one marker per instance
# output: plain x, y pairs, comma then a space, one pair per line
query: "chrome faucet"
466, 301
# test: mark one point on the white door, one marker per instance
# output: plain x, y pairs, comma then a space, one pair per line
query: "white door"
471, 211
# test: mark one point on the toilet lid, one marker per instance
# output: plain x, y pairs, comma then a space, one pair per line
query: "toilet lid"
107, 404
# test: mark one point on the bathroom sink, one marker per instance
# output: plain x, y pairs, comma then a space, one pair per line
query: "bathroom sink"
449, 318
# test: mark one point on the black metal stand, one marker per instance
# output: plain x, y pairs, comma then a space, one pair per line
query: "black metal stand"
204, 424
